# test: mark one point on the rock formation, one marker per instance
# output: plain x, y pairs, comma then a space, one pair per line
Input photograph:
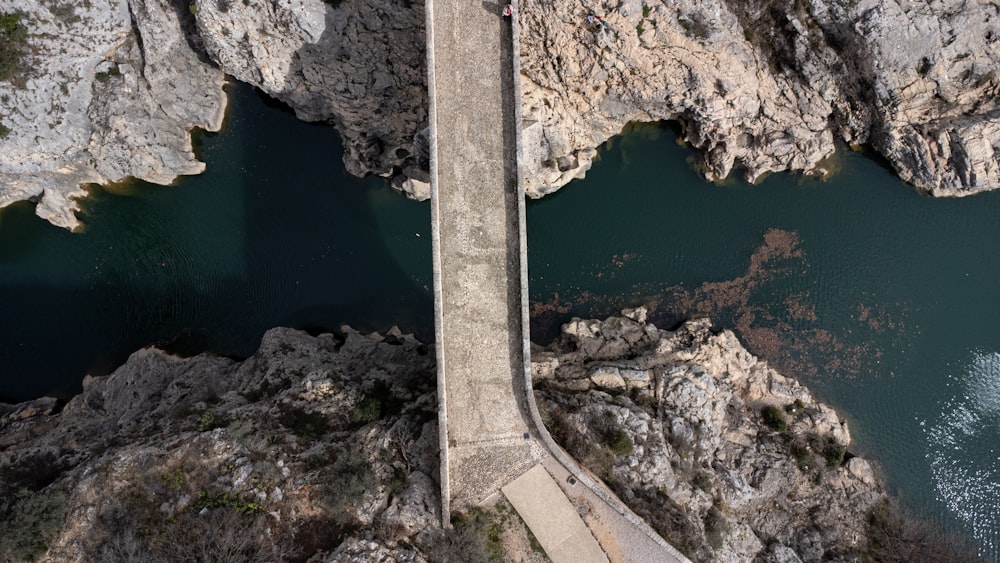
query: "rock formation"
327, 446
767, 87
107, 90
729, 459
359, 64
110, 87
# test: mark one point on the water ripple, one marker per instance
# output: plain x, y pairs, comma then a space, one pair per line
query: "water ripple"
961, 450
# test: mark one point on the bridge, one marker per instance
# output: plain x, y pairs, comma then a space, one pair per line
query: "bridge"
491, 437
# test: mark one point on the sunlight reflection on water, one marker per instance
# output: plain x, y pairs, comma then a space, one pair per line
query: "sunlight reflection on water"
965, 435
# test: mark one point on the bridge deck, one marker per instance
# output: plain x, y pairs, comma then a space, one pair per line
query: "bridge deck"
491, 433
487, 442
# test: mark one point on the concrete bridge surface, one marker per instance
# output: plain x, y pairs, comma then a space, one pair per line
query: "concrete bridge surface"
490, 434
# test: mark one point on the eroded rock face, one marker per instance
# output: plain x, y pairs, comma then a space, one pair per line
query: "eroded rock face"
680, 432
112, 86
360, 65
108, 90
328, 447
768, 86
288, 452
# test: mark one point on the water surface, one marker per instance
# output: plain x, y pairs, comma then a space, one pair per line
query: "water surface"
274, 233
884, 301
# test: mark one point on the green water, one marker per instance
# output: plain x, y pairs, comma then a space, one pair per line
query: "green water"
274, 233
884, 302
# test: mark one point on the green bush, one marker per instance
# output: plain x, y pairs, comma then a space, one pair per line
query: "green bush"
210, 421
227, 499
106, 75
4, 131
350, 477
619, 442
13, 40
834, 454
368, 410
305, 424
774, 418
29, 520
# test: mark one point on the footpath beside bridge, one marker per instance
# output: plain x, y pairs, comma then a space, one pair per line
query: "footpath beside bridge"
490, 435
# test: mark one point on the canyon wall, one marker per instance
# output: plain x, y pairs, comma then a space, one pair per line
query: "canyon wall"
108, 89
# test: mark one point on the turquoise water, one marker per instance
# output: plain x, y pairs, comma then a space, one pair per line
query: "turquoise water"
274, 233
885, 302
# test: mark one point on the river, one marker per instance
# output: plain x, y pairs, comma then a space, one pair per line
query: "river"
885, 302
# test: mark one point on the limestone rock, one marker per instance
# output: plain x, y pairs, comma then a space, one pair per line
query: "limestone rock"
543, 365
359, 64
367, 551
607, 377
90, 104
767, 86
741, 491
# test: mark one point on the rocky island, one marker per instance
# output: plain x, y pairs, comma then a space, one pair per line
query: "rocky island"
325, 448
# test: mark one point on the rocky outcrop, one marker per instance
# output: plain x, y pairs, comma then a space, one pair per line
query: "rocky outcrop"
327, 446
728, 459
107, 90
359, 64
291, 453
111, 87
767, 87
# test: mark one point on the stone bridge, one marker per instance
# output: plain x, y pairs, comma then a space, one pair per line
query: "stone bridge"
490, 434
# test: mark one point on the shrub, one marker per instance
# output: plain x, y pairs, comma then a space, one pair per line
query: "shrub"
4, 131
368, 410
351, 476
220, 536
834, 454
619, 442
209, 421
803, 457
716, 526
29, 520
796, 407
896, 535
13, 39
227, 499
106, 75
703, 481
774, 418
305, 424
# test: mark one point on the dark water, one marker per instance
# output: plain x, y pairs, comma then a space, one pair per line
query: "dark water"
274, 233
886, 303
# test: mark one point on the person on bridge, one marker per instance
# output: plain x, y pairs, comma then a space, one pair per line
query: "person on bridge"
508, 11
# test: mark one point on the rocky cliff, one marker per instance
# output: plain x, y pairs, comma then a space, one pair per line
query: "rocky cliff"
766, 87
107, 89
104, 90
327, 446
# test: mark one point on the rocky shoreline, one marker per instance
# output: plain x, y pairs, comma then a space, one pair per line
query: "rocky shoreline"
325, 447
110, 89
